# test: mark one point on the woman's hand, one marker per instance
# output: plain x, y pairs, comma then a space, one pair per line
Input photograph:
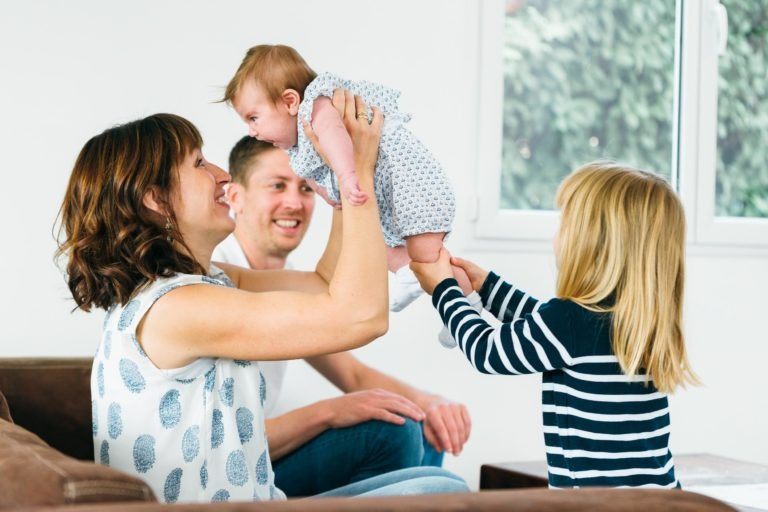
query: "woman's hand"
432, 274
477, 275
365, 135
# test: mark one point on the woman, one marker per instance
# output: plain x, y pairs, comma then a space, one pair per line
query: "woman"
177, 392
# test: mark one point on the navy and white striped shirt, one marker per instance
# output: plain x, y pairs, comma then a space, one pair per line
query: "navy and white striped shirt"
601, 428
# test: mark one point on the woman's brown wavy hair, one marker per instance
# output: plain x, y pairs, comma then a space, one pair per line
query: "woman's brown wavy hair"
113, 242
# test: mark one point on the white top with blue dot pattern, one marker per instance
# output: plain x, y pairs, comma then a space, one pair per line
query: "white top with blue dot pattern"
194, 434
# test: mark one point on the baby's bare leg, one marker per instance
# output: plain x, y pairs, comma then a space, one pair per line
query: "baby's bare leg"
425, 247
397, 258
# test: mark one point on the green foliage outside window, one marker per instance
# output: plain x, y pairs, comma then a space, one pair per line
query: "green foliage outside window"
742, 106
588, 79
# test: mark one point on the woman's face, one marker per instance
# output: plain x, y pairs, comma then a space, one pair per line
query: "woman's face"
200, 204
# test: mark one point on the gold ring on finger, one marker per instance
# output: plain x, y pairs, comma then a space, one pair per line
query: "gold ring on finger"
361, 115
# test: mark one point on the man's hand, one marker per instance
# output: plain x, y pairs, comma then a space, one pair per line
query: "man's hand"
447, 425
477, 275
372, 404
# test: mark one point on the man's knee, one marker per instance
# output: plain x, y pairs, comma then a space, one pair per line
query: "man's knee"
403, 442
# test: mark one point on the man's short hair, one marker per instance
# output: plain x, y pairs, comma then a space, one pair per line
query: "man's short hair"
244, 156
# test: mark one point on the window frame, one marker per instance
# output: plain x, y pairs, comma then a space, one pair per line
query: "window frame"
694, 145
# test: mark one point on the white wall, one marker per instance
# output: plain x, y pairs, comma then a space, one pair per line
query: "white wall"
71, 69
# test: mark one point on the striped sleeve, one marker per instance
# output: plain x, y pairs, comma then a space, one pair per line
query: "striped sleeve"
504, 301
525, 345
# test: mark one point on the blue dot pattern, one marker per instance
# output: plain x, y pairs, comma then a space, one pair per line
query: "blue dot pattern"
172, 487
237, 472
114, 421
217, 429
104, 453
194, 433
210, 379
100, 379
221, 495
190, 443
262, 475
244, 419
107, 344
94, 418
131, 375
262, 389
126, 317
413, 192
204, 475
170, 409
144, 453
227, 391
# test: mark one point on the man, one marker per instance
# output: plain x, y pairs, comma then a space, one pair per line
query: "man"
379, 424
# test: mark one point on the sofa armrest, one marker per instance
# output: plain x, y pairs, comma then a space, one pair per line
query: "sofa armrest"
52, 398
34, 474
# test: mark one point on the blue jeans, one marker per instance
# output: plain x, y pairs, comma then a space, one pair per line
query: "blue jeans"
339, 457
420, 480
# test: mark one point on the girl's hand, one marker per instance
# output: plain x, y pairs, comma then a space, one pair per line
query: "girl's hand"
432, 274
477, 275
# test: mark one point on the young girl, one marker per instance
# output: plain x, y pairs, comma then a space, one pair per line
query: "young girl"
274, 90
610, 346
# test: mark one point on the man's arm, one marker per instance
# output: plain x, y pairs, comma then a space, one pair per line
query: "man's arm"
446, 424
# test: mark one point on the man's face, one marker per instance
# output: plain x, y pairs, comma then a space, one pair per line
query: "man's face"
275, 207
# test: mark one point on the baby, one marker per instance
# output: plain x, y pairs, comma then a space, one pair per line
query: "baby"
274, 90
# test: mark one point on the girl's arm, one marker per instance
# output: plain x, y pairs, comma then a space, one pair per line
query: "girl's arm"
214, 321
527, 344
503, 300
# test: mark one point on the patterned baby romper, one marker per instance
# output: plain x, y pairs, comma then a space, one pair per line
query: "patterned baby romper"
413, 192
194, 434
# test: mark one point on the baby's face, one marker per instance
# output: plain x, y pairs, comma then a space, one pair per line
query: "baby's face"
266, 120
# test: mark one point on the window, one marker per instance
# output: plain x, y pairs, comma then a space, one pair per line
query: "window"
564, 83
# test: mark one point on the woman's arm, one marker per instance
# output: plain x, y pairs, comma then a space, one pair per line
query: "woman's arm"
214, 321
292, 280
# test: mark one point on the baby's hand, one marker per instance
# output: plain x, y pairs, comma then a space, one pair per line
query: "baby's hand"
323, 193
350, 187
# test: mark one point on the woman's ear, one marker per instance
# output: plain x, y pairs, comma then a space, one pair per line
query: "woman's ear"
291, 99
153, 201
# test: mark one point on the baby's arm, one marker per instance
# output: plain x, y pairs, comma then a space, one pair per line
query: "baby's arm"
335, 140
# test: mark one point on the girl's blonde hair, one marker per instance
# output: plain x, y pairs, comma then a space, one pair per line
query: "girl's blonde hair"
621, 251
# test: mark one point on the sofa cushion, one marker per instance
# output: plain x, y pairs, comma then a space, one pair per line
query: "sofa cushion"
32, 473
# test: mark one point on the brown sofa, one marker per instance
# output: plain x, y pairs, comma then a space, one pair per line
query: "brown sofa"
46, 463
